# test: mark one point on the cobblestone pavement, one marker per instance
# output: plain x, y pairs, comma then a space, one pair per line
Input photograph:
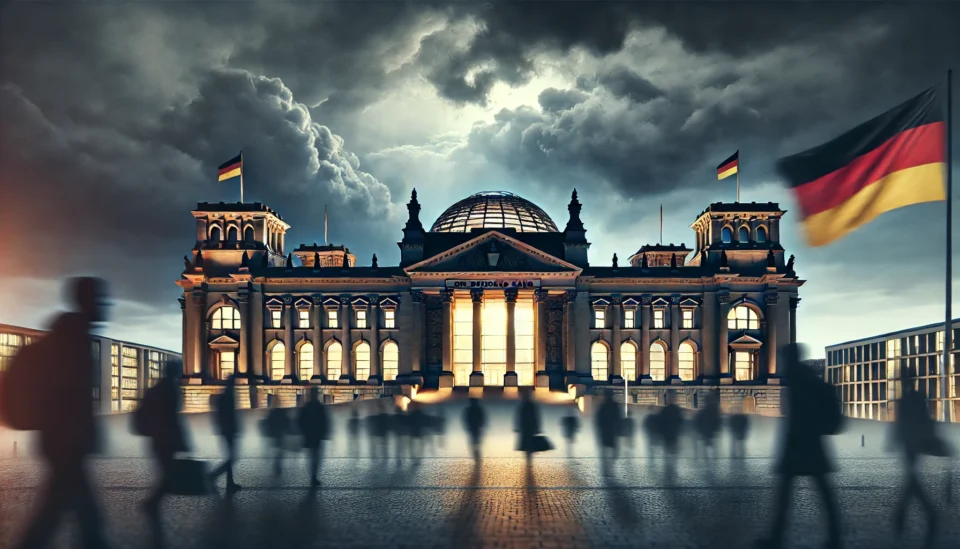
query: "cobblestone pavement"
445, 500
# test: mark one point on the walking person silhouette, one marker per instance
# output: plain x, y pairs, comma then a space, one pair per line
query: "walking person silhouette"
277, 426
527, 426
608, 428
475, 421
160, 421
69, 433
570, 424
228, 425
813, 411
314, 425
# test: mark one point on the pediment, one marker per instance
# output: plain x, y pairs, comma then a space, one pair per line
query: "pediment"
331, 302
303, 303
493, 252
660, 302
689, 302
601, 301
224, 341
389, 302
631, 302
274, 302
746, 341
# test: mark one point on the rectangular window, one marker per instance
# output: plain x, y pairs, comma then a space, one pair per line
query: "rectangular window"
743, 366
332, 319
304, 318
687, 320
630, 318
462, 339
275, 318
361, 318
493, 339
227, 362
154, 366
10, 345
524, 341
658, 319
599, 318
389, 318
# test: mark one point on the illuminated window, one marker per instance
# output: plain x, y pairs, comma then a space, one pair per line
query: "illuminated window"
362, 361
599, 318
761, 235
687, 319
304, 318
334, 360
658, 362
744, 235
659, 321
743, 365
361, 318
275, 318
130, 379
462, 339
940, 342
389, 318
742, 318
391, 361
227, 363
154, 365
628, 361
524, 341
305, 361
893, 348
494, 339
688, 358
629, 318
278, 357
598, 362
726, 235
225, 318
10, 345
333, 320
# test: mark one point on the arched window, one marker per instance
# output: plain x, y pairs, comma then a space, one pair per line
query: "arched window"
278, 357
225, 318
334, 360
688, 361
726, 235
658, 362
233, 234
305, 361
215, 234
361, 365
742, 317
628, 361
391, 361
248, 234
761, 235
598, 362
744, 235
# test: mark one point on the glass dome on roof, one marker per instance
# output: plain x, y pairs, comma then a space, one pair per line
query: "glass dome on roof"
494, 210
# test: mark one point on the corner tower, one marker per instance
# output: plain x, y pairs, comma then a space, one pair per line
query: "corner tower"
739, 236
229, 232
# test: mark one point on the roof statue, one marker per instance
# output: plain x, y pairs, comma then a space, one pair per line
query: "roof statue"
615, 261
373, 262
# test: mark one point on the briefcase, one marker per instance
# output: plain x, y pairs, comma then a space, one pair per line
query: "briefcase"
188, 477
540, 443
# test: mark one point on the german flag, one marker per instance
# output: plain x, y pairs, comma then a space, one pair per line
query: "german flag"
729, 166
231, 168
894, 160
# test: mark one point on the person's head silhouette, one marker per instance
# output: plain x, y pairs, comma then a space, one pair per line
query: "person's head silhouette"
313, 394
172, 369
231, 380
88, 296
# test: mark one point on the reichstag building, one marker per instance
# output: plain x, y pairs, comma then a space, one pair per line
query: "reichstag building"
495, 293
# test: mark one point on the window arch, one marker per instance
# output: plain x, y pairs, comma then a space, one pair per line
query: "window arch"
334, 360
726, 235
599, 355
761, 235
233, 234
687, 355
743, 317
215, 234
361, 361
225, 318
743, 234
391, 360
305, 361
248, 234
278, 360
658, 361
628, 361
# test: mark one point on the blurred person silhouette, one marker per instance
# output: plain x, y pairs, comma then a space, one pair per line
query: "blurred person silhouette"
160, 420
527, 426
628, 432
739, 424
813, 411
277, 425
669, 428
378, 427
314, 425
68, 430
439, 420
707, 423
651, 429
417, 429
400, 426
353, 433
228, 426
474, 422
914, 434
607, 428
570, 425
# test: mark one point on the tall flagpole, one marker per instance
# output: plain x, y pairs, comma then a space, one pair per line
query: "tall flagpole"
241, 176
738, 177
325, 239
945, 413
661, 225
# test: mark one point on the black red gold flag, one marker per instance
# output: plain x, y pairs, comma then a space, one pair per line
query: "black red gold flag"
231, 168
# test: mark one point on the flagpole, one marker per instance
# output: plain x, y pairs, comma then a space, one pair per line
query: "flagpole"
661, 225
325, 239
241, 176
945, 412
738, 177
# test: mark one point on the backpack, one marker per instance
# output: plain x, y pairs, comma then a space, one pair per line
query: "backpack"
21, 386
141, 423
831, 420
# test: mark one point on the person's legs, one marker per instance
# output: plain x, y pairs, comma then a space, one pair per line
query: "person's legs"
928, 508
830, 508
779, 525
52, 502
88, 511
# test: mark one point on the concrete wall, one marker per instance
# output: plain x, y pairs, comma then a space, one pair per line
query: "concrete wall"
196, 398
763, 400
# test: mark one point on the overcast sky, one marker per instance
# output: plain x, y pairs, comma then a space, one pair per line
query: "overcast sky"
114, 116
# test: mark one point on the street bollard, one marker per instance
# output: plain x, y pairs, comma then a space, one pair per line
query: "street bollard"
14, 448
862, 441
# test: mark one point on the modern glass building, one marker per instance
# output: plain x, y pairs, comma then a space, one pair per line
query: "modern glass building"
867, 372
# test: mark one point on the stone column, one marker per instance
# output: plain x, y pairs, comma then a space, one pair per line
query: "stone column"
416, 332
708, 336
476, 377
616, 374
794, 301
205, 369
185, 347
771, 342
317, 326
723, 341
446, 345
645, 318
243, 358
199, 344
374, 321
256, 354
570, 333
288, 341
540, 298
510, 379
675, 320
346, 369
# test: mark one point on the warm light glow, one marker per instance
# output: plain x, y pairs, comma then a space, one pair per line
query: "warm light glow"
305, 361
334, 360
628, 361
362, 365
227, 361
494, 338
462, 339
687, 361
524, 341
658, 362
598, 361
225, 318
277, 360
743, 365
391, 361
742, 317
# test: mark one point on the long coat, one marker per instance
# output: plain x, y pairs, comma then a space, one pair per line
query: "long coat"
802, 451
527, 426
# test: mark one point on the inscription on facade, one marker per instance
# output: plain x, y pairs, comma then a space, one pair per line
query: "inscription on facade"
492, 284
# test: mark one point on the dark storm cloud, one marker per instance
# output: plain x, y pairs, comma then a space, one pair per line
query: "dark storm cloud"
553, 100
625, 83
